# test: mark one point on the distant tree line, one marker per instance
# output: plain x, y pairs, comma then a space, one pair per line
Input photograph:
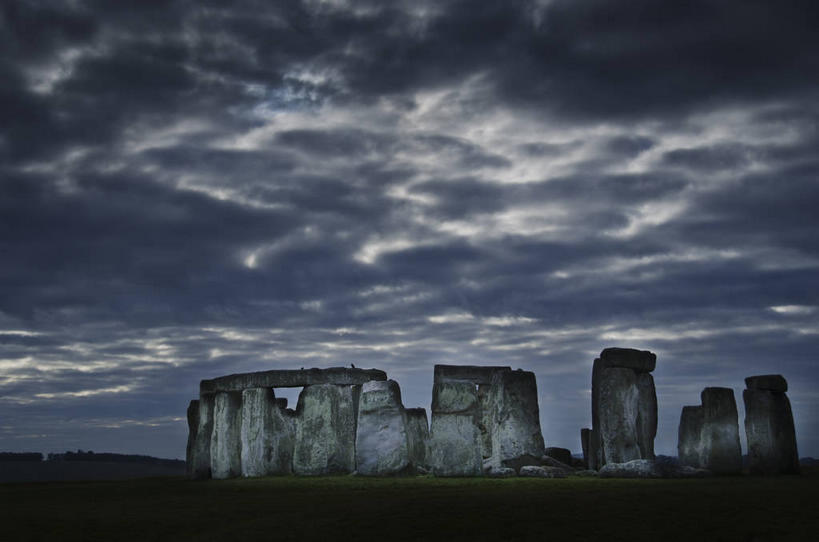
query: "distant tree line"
21, 456
81, 455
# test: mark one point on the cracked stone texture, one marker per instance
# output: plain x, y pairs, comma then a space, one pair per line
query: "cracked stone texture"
201, 448
454, 437
720, 450
417, 436
267, 434
325, 429
382, 446
515, 419
770, 431
225, 443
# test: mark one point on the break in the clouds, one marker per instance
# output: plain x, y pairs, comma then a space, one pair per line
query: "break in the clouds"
189, 189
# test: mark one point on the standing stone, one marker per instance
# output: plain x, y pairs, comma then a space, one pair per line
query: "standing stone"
226, 444
719, 437
624, 407
381, 445
325, 429
417, 436
769, 427
201, 451
515, 420
646, 414
267, 434
688, 436
454, 440
193, 428
585, 433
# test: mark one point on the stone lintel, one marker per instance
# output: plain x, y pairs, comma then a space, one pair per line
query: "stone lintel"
767, 382
297, 378
475, 374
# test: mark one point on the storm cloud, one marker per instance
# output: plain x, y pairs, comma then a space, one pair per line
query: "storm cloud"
189, 190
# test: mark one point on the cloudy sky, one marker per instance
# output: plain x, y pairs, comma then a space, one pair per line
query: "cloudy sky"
189, 190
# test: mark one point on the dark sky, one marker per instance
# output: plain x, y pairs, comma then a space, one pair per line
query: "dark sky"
189, 190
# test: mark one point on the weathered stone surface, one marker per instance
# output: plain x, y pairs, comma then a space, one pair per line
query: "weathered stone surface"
500, 472
542, 472
563, 455
767, 382
586, 473
225, 443
340, 376
641, 361
267, 434
618, 409
325, 429
688, 436
201, 452
585, 435
636, 468
646, 415
719, 437
281, 402
515, 419
466, 373
548, 461
624, 407
454, 438
770, 431
454, 397
485, 420
417, 436
381, 439
193, 428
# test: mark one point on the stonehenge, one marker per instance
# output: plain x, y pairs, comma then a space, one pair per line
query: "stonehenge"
485, 421
769, 426
708, 436
624, 407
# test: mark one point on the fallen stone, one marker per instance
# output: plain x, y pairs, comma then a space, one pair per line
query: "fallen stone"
548, 461
326, 429
542, 472
578, 463
688, 437
225, 444
562, 455
770, 432
193, 428
637, 468
267, 434
719, 438
500, 472
201, 452
515, 419
641, 361
767, 382
339, 376
381, 439
585, 473
417, 436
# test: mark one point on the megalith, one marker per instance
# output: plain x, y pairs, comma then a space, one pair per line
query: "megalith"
454, 436
201, 447
382, 443
325, 429
719, 437
225, 444
193, 429
688, 436
267, 434
624, 407
769, 426
417, 437
584, 445
515, 419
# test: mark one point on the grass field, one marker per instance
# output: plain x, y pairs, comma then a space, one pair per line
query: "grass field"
423, 508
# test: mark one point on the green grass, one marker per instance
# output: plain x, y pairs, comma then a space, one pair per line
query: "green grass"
424, 508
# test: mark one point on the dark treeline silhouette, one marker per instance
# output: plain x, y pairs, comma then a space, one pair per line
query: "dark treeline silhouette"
81, 455
21, 456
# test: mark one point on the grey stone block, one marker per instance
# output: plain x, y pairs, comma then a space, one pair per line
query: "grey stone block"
225, 444
417, 436
515, 419
563, 455
326, 417
381, 439
767, 382
688, 436
193, 428
641, 361
646, 423
340, 376
719, 437
201, 452
618, 409
585, 435
473, 374
542, 472
267, 434
454, 397
770, 431
454, 437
